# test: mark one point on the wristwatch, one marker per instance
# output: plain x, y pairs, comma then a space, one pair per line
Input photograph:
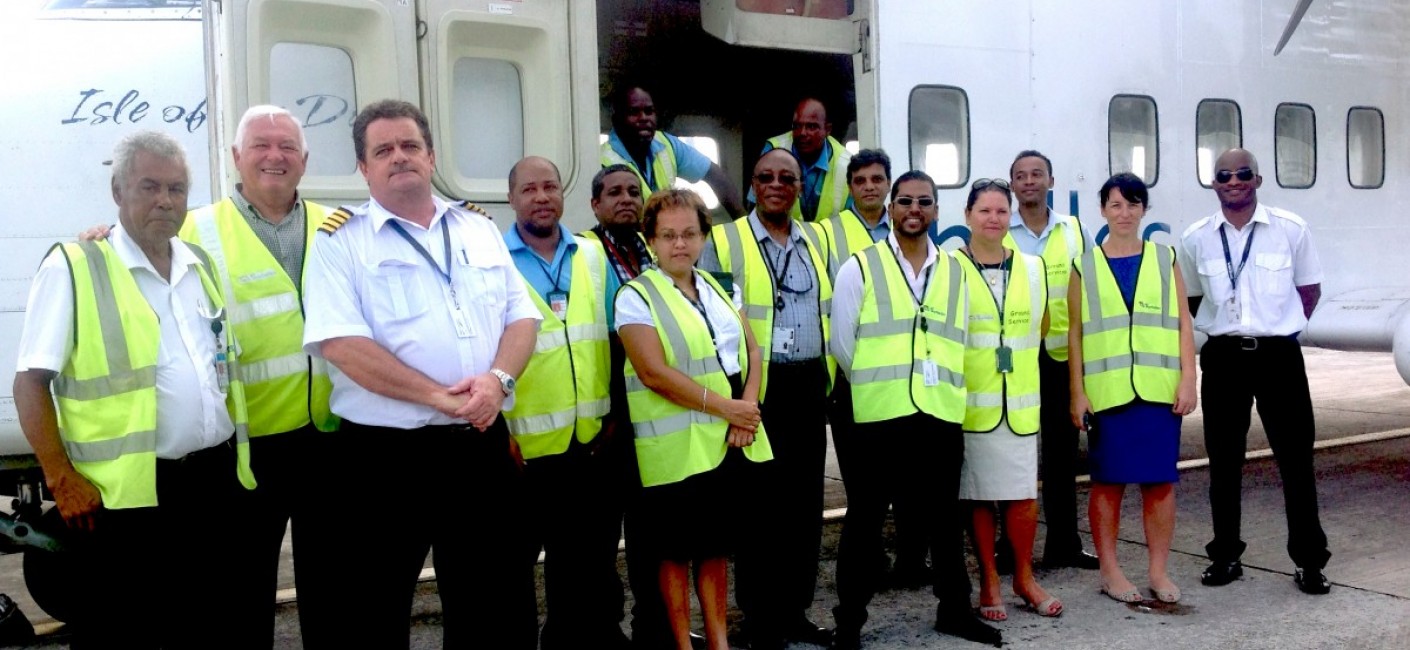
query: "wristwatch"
506, 381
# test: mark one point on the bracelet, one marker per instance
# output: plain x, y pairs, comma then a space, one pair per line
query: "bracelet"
704, 395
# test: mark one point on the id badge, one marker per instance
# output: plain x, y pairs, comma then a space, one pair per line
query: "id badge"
222, 371
930, 373
462, 324
558, 304
1236, 315
1005, 358
783, 341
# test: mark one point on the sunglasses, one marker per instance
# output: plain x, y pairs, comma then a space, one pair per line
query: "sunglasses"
767, 178
1243, 173
906, 201
987, 182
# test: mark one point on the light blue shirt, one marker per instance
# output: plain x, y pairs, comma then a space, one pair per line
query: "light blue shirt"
1032, 243
882, 229
547, 276
690, 163
814, 182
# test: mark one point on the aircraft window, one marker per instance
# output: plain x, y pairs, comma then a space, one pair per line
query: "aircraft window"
315, 82
806, 8
487, 131
1133, 143
1218, 128
939, 137
1365, 147
1295, 145
711, 150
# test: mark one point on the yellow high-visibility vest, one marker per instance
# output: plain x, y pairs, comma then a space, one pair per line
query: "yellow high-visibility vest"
895, 340
563, 391
1136, 352
1064, 244
1013, 396
286, 388
752, 274
674, 442
663, 165
107, 391
846, 235
834, 186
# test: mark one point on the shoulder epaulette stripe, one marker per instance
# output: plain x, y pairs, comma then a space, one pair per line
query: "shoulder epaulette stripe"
335, 220
477, 209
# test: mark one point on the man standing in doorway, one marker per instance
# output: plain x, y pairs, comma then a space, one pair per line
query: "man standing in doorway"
824, 190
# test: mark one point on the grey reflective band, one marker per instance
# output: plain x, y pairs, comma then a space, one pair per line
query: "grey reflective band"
1097, 366
736, 246
672, 424
1162, 259
883, 328
1096, 321
840, 245
109, 317
813, 236
536, 424
886, 324
594, 408
672, 328
113, 383
97, 451
275, 368
1153, 360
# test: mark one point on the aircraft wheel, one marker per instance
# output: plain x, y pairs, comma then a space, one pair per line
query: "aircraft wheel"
51, 577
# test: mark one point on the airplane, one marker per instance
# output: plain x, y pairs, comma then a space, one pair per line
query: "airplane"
1315, 89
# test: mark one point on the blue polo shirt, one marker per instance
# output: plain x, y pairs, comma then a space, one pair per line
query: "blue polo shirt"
690, 163
547, 276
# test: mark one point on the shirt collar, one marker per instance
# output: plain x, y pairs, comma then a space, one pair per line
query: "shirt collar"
566, 241
380, 215
822, 162
614, 141
930, 255
1260, 215
133, 258
243, 204
795, 233
1016, 222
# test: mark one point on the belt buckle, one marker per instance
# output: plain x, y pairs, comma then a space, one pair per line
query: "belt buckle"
1248, 343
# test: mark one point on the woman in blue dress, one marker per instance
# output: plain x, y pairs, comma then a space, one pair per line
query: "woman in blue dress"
1132, 365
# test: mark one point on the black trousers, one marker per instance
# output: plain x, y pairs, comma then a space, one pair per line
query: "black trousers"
776, 565
281, 465
1238, 372
162, 577
919, 456
401, 494
575, 519
1059, 458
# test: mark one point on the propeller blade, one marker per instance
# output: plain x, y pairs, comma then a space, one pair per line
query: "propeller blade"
1293, 22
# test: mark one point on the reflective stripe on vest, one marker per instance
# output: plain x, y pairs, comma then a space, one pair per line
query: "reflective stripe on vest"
891, 345
752, 274
1064, 244
287, 389
663, 165
994, 396
674, 442
563, 390
847, 235
1130, 353
106, 393
833, 197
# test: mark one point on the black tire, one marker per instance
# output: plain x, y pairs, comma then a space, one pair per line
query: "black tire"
51, 577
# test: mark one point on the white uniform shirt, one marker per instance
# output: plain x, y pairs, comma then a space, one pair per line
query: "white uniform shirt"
724, 318
847, 298
191, 412
1281, 260
368, 281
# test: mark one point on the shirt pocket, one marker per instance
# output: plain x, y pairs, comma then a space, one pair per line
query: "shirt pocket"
1214, 275
396, 293
1273, 273
482, 288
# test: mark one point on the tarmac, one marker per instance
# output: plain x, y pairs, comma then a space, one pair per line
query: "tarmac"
1363, 465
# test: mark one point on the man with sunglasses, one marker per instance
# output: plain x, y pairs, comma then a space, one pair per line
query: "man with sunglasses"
779, 265
1035, 229
1257, 268
901, 304
823, 160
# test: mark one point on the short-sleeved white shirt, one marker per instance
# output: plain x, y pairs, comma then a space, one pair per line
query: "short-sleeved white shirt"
191, 411
366, 280
1280, 260
724, 318
847, 292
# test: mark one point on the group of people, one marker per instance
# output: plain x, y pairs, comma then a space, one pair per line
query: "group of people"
400, 377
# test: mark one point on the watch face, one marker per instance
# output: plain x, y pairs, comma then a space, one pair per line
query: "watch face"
509, 383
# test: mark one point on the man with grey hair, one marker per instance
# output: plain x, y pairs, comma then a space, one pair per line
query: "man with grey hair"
124, 392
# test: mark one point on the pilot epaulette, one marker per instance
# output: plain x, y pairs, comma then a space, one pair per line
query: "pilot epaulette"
335, 220
476, 209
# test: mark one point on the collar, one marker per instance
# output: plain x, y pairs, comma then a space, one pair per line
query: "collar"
1260, 215
621, 147
380, 215
566, 241
1016, 221
133, 258
930, 254
245, 207
795, 233
823, 158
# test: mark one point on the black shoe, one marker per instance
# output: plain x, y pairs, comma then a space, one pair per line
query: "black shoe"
1221, 573
803, 630
1080, 560
845, 638
1312, 581
961, 623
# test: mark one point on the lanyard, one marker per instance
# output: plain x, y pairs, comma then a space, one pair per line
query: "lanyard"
450, 266
556, 277
629, 266
1229, 260
1006, 266
924, 290
700, 307
779, 276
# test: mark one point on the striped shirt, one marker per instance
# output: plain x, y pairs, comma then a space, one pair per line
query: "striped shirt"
285, 240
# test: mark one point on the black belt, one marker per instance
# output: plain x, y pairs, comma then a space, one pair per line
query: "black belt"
215, 451
1250, 343
796, 364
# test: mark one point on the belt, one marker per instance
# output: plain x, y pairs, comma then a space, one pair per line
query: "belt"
809, 363
215, 451
1250, 343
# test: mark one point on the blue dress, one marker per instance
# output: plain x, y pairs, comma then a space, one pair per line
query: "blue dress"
1137, 442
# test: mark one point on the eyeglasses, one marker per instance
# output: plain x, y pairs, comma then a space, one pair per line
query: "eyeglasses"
689, 236
906, 201
1243, 173
767, 178
986, 182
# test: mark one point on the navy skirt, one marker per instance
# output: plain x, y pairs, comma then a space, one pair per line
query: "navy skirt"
1134, 443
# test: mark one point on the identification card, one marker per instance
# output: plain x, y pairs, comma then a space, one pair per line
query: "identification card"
930, 373
1005, 358
462, 324
222, 363
1235, 312
558, 303
783, 341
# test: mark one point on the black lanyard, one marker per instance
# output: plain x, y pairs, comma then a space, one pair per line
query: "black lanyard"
1229, 260
924, 289
779, 286
1006, 266
556, 277
700, 307
629, 266
450, 264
